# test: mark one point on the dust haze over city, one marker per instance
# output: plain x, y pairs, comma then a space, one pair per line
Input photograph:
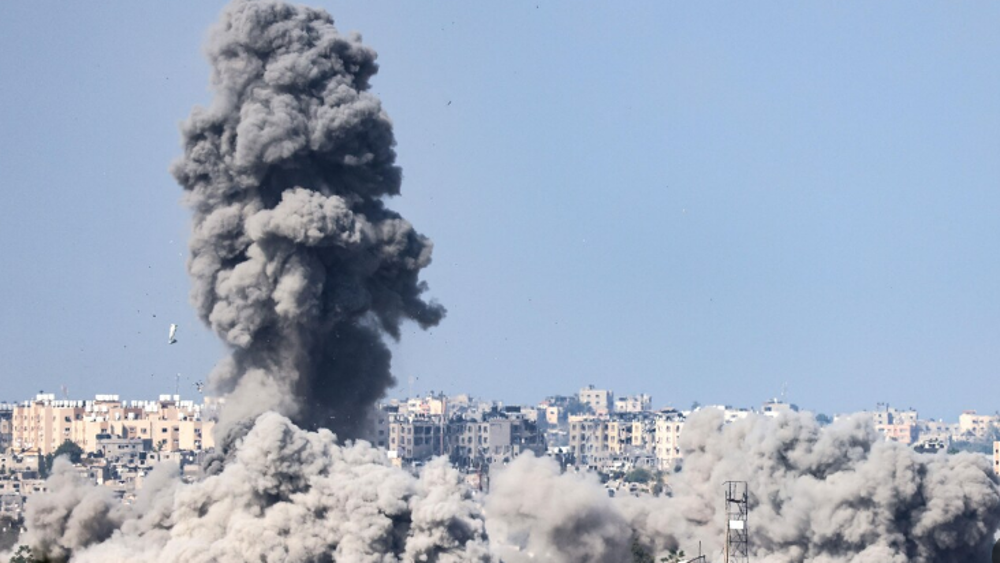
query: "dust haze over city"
444, 221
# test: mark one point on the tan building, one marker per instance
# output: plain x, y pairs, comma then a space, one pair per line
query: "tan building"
625, 436
416, 437
553, 415
973, 425
169, 424
668, 436
601, 401
588, 439
902, 432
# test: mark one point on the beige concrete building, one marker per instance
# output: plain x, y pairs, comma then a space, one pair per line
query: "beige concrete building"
416, 437
553, 415
974, 425
627, 435
902, 432
169, 424
588, 439
633, 403
668, 436
601, 401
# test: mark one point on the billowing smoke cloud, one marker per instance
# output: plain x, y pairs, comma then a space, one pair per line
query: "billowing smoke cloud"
285, 494
302, 270
834, 495
297, 264
538, 514
72, 514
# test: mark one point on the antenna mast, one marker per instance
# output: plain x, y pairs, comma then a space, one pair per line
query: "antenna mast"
737, 535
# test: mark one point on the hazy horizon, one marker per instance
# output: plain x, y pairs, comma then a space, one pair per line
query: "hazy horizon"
700, 202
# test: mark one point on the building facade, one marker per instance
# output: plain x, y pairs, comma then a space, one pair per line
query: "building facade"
169, 424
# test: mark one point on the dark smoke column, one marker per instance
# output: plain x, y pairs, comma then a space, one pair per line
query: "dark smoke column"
297, 264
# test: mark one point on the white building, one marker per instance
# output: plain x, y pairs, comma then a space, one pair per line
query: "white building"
633, 403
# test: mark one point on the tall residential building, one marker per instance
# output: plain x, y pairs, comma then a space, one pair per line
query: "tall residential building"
416, 437
601, 401
588, 440
6, 426
974, 425
668, 437
896, 425
168, 424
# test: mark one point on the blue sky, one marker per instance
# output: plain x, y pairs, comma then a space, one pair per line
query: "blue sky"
703, 201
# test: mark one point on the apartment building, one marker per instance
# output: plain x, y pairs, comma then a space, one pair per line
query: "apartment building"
588, 440
601, 401
416, 437
633, 403
169, 424
972, 425
668, 437
600, 443
6, 426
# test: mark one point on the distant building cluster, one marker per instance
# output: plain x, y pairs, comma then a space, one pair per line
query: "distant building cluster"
472, 434
168, 424
117, 442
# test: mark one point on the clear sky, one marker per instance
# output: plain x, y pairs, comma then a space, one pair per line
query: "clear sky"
701, 200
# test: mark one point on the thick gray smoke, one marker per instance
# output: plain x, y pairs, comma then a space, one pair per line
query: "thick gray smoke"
302, 270
285, 494
297, 264
538, 514
833, 495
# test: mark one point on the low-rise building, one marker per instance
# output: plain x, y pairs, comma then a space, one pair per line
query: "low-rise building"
633, 403
776, 407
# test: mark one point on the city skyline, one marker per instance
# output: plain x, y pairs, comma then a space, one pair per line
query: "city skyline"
697, 207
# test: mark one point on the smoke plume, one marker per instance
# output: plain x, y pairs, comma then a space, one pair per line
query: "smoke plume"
536, 513
837, 494
286, 494
296, 261
302, 270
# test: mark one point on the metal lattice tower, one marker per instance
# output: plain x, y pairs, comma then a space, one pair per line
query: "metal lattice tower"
737, 535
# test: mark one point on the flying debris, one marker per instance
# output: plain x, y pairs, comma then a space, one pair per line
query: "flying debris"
173, 333
306, 274
199, 386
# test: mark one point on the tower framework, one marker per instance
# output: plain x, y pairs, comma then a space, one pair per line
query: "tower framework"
737, 534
